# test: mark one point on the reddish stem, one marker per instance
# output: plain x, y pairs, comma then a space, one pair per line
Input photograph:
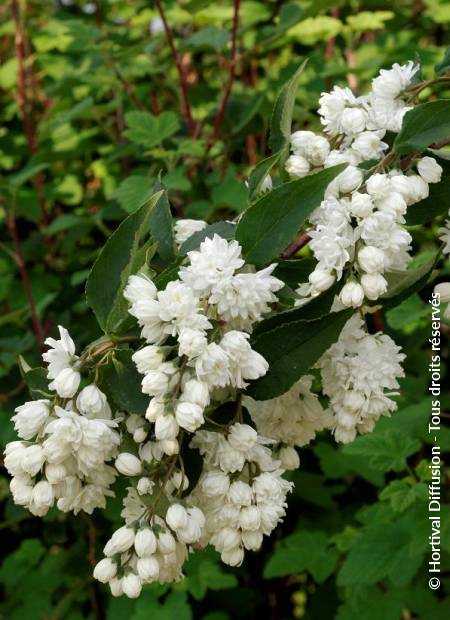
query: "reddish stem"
192, 125
231, 75
296, 245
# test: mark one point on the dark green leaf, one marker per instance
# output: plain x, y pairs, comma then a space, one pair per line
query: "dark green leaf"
259, 173
226, 230
124, 383
437, 202
161, 225
402, 284
444, 66
423, 125
385, 451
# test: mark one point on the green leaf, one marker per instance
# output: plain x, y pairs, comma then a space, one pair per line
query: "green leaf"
408, 315
296, 271
37, 382
267, 227
437, 202
281, 121
385, 451
120, 257
67, 221
124, 383
211, 38
226, 230
203, 573
259, 173
132, 192
444, 66
26, 174
423, 125
291, 350
303, 551
148, 130
402, 284
402, 493
161, 226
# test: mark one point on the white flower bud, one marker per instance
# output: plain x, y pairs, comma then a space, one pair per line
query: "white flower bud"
170, 446
145, 486
176, 517
240, 493
179, 481
155, 383
131, 585
191, 342
317, 150
115, 586
140, 434
349, 179
93, 403
145, 542
232, 557
242, 437
226, 538
134, 422
147, 568
31, 417
166, 543
321, 279
33, 459
429, 170
128, 464
121, 540
353, 121
186, 228
249, 518
42, 498
14, 453
252, 540
393, 204
148, 358
266, 185
21, 489
55, 473
139, 288
352, 295
371, 259
155, 409
443, 290
297, 166
379, 186
215, 483
166, 427
369, 145
289, 458
196, 392
300, 140
361, 205
189, 416
374, 285
66, 382
419, 189
354, 400
105, 570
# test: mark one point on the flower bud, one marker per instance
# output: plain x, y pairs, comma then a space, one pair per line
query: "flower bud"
353, 400
297, 166
232, 557
155, 409
166, 427
249, 518
128, 464
196, 392
131, 585
185, 228
145, 542
189, 416
115, 585
252, 540
139, 288
374, 285
121, 541
93, 403
55, 473
147, 568
289, 458
140, 434
33, 459
321, 280
371, 259
361, 205
144, 486
169, 446
191, 342
215, 483
353, 121
242, 437
42, 498
31, 417
105, 570
66, 382
166, 543
352, 295
240, 493
429, 170
226, 538
176, 517
148, 358
155, 383
21, 489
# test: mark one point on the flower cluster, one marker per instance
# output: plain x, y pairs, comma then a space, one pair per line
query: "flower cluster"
358, 229
359, 374
241, 491
65, 447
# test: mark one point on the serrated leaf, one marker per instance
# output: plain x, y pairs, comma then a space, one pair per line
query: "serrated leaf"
423, 125
204, 573
402, 493
133, 191
148, 130
291, 350
303, 551
121, 256
267, 227
281, 121
385, 451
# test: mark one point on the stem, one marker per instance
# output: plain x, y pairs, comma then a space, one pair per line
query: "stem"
296, 245
24, 105
21, 265
231, 75
192, 125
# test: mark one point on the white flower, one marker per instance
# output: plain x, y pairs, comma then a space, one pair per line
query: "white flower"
148, 358
21, 488
347, 181
116, 586
191, 342
212, 366
93, 403
371, 259
289, 458
66, 383
148, 568
166, 427
139, 288
250, 518
189, 416
215, 483
155, 409
332, 106
166, 542
128, 464
232, 557
30, 418
105, 570
145, 543
61, 353
321, 280
297, 166
33, 459
240, 493
145, 486
131, 585
300, 140
242, 437
361, 205
353, 121
120, 541
374, 285
176, 517
352, 295
392, 82
429, 170
245, 363
155, 383
42, 498
369, 145
197, 392
185, 228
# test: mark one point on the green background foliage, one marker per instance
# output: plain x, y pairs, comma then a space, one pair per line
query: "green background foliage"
92, 122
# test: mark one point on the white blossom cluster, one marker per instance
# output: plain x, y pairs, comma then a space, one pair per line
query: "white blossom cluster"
358, 228
65, 447
241, 491
359, 375
292, 419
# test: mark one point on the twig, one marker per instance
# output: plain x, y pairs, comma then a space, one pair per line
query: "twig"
24, 106
192, 125
231, 74
296, 245
21, 265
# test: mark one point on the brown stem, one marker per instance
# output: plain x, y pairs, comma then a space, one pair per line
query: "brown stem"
231, 74
296, 245
24, 105
192, 125
21, 265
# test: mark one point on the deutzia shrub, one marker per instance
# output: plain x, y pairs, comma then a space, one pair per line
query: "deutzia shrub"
227, 347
